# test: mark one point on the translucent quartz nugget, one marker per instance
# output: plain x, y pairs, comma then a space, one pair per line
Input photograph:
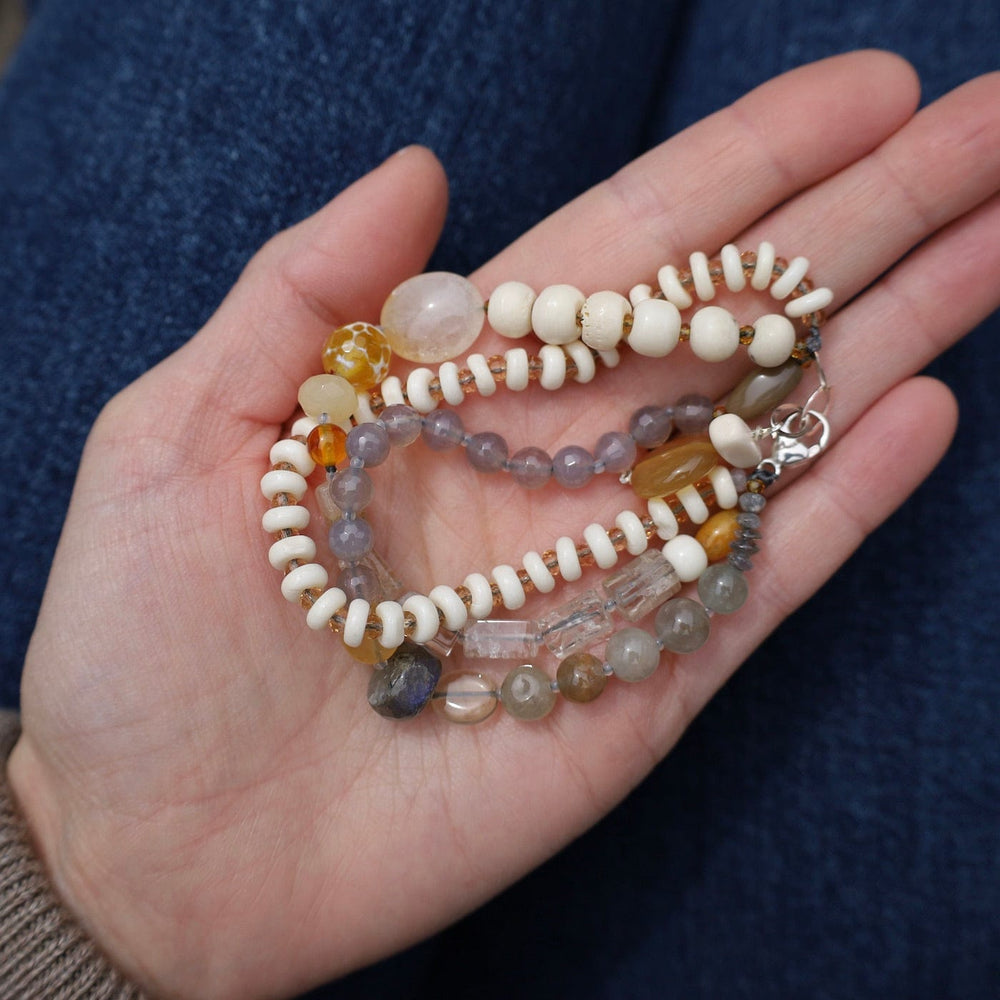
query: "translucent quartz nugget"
497, 639
576, 625
642, 585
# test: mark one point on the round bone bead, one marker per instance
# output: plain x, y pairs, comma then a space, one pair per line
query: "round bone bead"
686, 555
656, 328
527, 693
715, 334
773, 341
432, 317
329, 394
602, 320
359, 353
554, 314
734, 441
509, 309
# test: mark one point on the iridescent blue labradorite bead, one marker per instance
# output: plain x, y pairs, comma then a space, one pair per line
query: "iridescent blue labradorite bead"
401, 688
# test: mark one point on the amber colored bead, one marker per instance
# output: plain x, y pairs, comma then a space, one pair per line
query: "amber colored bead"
327, 444
360, 353
718, 533
370, 651
673, 466
581, 677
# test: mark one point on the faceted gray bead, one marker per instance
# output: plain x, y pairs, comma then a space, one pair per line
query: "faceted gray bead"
633, 654
573, 466
351, 490
486, 452
368, 442
616, 450
359, 580
350, 538
401, 688
442, 430
682, 625
650, 426
723, 588
754, 503
402, 423
530, 467
693, 413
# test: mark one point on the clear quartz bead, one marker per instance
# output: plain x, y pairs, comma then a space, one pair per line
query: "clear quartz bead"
642, 585
498, 639
576, 625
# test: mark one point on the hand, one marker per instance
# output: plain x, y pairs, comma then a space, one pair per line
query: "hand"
206, 783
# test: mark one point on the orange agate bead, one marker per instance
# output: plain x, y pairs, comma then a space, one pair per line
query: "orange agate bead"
718, 533
359, 353
673, 466
327, 444
369, 651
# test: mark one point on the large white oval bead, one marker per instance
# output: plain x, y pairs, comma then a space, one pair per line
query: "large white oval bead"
656, 328
773, 341
715, 334
509, 309
554, 314
734, 441
432, 317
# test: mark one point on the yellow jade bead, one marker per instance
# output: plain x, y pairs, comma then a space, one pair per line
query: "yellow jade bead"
369, 651
327, 444
718, 533
673, 466
329, 394
359, 353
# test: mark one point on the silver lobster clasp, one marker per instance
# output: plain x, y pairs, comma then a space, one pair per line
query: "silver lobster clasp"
799, 435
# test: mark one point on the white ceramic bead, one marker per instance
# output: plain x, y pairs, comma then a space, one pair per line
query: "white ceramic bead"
284, 550
639, 293
284, 518
701, 276
818, 298
306, 577
418, 390
425, 611
554, 314
732, 268
715, 334
773, 341
789, 280
630, 524
734, 441
541, 575
693, 504
509, 309
724, 487
325, 607
451, 387
602, 319
355, 621
455, 613
553, 374
761, 276
600, 545
303, 426
687, 557
392, 391
283, 481
663, 517
511, 590
670, 285
482, 595
295, 453
656, 328
390, 614
569, 562
581, 355
518, 373
486, 384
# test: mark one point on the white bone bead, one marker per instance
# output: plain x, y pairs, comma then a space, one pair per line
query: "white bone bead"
392, 391
553, 373
663, 517
283, 481
724, 487
734, 441
701, 276
818, 298
302, 578
295, 453
511, 590
639, 293
486, 384
355, 621
602, 319
284, 550
610, 359
390, 614
600, 545
418, 390
455, 613
670, 285
773, 341
580, 354
482, 595
687, 557
518, 377
303, 426
789, 281
541, 576
285, 518
451, 387
325, 607
761, 276
715, 334
509, 309
425, 611
569, 562
630, 524
656, 328
364, 412
554, 314
693, 504
732, 268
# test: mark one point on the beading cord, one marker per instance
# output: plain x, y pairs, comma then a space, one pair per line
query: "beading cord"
400, 635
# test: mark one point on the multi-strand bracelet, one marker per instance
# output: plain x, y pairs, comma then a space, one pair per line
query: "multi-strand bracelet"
356, 413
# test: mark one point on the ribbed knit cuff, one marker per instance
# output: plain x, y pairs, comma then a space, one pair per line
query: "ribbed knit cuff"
44, 954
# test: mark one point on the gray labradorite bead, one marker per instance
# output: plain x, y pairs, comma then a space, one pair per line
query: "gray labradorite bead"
633, 654
682, 625
763, 389
723, 588
401, 688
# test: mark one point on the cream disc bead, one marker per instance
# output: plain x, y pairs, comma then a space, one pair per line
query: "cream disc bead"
701, 276
355, 622
432, 317
602, 319
455, 613
773, 341
790, 278
569, 562
732, 268
451, 385
687, 556
426, 613
734, 441
325, 607
540, 575
283, 481
814, 301
329, 394
284, 550
390, 614
509, 309
715, 334
656, 328
695, 508
670, 284
307, 577
391, 390
482, 595
663, 517
289, 517
554, 314
630, 525
723, 487
518, 375
580, 354
764, 267
486, 383
295, 453
511, 590
418, 390
303, 426
553, 374
600, 545
639, 293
